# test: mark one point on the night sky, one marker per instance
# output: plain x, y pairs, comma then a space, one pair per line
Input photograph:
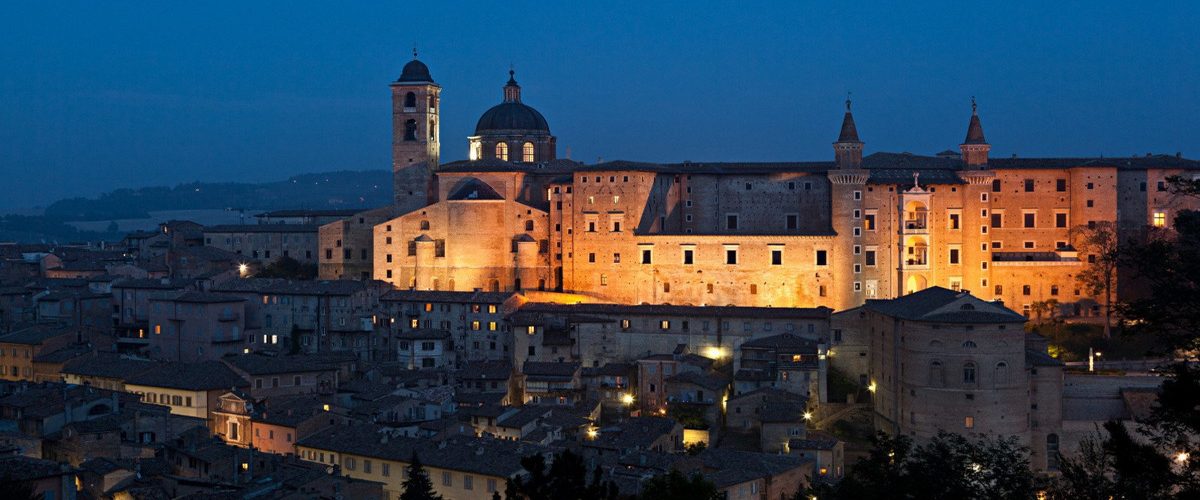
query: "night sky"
101, 95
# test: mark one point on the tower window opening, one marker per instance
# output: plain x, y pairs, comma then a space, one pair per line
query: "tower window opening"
502, 151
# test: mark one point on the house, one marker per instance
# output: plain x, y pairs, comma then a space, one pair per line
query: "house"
104, 370
425, 348
460, 467
285, 375
826, 451
786, 361
49, 479
19, 348
189, 389
282, 421
551, 382
659, 434
194, 326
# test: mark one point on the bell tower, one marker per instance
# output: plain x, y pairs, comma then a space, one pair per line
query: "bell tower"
416, 136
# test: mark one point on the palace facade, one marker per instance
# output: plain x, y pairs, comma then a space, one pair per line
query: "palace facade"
791, 234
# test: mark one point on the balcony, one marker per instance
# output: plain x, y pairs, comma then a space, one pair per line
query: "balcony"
916, 223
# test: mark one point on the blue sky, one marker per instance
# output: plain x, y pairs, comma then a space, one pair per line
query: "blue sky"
100, 95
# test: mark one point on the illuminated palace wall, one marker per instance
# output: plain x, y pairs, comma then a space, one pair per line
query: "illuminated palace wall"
802, 238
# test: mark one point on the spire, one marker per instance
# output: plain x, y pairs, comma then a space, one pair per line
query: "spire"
414, 51
512, 91
848, 148
975, 129
975, 148
849, 132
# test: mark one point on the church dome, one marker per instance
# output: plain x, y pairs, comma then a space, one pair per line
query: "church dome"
511, 116
415, 71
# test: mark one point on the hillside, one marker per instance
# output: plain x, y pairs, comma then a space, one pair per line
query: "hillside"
344, 189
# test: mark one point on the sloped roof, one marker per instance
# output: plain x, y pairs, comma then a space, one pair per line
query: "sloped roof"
941, 305
205, 375
474, 189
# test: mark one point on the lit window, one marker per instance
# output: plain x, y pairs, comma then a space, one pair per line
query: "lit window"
502, 151
527, 152
531, 329
1160, 219
969, 422
665, 325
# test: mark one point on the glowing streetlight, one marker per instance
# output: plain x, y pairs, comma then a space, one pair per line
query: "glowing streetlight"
243, 269
1182, 457
593, 433
714, 352
627, 399
871, 388
808, 415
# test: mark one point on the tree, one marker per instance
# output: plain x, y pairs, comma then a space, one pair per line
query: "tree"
1160, 457
1116, 466
948, 466
676, 486
1099, 242
288, 268
418, 486
566, 477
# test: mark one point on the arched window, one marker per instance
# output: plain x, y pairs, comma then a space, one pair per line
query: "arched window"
502, 151
529, 225
969, 373
1001, 373
450, 285
410, 100
432, 130
1052, 452
935, 344
476, 151
410, 130
937, 374
970, 344
424, 225
433, 103
527, 152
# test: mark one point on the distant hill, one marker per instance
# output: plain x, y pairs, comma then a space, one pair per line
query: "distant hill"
345, 189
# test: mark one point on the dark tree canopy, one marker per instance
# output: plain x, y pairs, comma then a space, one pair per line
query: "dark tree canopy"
418, 486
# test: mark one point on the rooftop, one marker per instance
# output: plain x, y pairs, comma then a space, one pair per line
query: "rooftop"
684, 311
941, 305
484, 456
205, 375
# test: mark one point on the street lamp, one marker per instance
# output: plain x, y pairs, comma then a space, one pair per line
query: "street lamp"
243, 269
627, 399
1182, 457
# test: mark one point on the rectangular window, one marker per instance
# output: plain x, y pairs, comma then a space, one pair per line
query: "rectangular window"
446, 480
646, 257
792, 222
1060, 219
1060, 185
822, 258
1030, 219
954, 255
1160, 219
955, 220
731, 222
689, 257
776, 257
870, 257
730, 256
1028, 185
997, 219
869, 221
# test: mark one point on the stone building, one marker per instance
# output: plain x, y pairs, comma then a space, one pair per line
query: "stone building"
787, 234
265, 243
945, 360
